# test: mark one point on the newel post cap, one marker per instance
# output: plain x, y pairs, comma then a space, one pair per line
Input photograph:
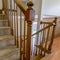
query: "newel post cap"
30, 4
30, 12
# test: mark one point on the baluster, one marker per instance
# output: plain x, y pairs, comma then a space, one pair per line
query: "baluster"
14, 24
11, 17
17, 20
8, 14
47, 37
20, 36
24, 40
46, 42
43, 38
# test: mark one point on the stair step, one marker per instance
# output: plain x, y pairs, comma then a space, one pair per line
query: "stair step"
5, 31
5, 27
9, 52
2, 16
4, 23
3, 20
38, 57
6, 40
6, 37
15, 55
6, 50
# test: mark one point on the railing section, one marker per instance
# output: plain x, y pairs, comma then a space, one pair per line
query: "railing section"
20, 21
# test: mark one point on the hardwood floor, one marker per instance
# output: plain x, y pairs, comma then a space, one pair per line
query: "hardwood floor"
55, 55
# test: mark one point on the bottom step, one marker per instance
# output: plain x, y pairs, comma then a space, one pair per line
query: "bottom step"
9, 53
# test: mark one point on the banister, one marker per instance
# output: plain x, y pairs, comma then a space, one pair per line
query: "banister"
42, 29
24, 43
50, 24
42, 22
20, 6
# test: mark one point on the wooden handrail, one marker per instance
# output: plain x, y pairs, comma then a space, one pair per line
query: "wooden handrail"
42, 29
20, 6
50, 24
42, 22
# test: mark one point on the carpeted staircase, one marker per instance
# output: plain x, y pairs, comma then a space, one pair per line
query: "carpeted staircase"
8, 50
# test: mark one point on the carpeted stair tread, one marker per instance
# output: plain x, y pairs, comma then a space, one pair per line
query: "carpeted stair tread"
6, 37
3, 20
4, 27
2, 14
6, 51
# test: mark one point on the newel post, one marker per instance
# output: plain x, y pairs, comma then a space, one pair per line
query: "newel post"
29, 17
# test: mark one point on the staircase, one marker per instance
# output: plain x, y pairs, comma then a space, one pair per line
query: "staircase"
8, 50
16, 21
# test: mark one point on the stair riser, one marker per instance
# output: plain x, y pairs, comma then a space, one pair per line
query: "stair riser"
5, 32
7, 42
3, 23
2, 17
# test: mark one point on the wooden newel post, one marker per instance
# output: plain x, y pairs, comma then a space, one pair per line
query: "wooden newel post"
29, 17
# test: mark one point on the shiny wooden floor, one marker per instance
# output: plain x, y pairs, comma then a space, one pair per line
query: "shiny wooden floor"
55, 55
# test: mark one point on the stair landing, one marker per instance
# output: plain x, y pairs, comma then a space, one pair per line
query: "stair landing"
55, 55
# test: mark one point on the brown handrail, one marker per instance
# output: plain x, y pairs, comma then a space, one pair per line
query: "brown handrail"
20, 6
50, 24
42, 22
42, 29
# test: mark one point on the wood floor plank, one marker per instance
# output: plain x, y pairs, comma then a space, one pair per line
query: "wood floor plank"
55, 55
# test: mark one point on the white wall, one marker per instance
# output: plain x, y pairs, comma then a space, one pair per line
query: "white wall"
51, 7
0, 4
37, 6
